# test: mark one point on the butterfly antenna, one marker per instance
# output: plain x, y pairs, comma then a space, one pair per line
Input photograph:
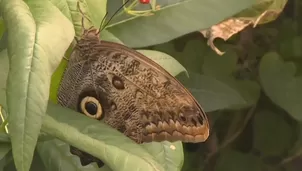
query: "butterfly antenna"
113, 15
83, 15
103, 20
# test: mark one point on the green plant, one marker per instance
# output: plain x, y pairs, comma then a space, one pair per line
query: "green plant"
251, 94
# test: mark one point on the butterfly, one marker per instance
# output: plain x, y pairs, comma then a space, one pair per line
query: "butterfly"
113, 83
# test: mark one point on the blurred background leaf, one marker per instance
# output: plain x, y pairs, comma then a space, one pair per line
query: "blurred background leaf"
281, 84
165, 25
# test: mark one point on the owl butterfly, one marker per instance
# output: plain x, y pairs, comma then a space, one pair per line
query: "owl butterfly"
131, 93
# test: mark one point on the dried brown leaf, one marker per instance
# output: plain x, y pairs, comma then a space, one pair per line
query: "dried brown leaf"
231, 26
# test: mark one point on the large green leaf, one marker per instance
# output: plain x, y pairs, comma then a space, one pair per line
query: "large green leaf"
224, 68
281, 85
69, 9
34, 52
97, 139
97, 10
94, 10
170, 155
192, 54
174, 21
164, 60
211, 93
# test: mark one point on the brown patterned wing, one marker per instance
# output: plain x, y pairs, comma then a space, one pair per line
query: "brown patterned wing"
131, 93
166, 110
136, 96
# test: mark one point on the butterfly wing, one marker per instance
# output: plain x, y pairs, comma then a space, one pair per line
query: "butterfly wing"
167, 109
138, 97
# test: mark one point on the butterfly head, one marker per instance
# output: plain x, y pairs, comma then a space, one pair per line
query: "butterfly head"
91, 34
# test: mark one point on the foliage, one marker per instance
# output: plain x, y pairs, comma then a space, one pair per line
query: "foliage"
251, 94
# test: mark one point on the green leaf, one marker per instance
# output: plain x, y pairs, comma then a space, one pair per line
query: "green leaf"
248, 90
97, 139
93, 9
280, 83
231, 160
106, 35
220, 66
164, 60
191, 57
37, 164
170, 155
34, 53
288, 39
3, 35
56, 155
69, 9
7, 161
2, 27
286, 29
211, 93
4, 149
290, 48
223, 68
272, 134
174, 21
3, 76
4, 138
97, 10
3, 41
